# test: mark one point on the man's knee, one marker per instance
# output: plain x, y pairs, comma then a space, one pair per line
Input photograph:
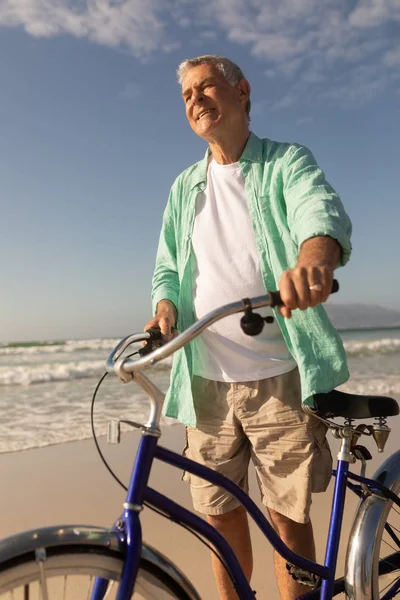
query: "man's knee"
228, 519
286, 527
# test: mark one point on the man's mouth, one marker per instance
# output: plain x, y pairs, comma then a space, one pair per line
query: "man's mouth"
205, 112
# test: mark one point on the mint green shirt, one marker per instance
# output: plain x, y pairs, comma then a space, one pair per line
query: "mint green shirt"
290, 201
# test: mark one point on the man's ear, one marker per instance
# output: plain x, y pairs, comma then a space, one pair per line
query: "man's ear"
244, 90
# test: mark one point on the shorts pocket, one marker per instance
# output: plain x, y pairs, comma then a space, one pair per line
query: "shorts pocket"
322, 459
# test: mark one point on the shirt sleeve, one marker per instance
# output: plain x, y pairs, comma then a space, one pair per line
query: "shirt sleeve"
165, 278
313, 206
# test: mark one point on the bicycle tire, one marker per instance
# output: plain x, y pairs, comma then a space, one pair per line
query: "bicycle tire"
373, 559
72, 557
70, 572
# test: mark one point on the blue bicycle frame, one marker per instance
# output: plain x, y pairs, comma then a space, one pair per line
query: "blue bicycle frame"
139, 493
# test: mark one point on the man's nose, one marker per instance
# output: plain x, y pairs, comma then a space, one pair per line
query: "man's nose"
197, 97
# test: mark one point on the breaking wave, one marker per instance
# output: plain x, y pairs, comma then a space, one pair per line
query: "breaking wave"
364, 347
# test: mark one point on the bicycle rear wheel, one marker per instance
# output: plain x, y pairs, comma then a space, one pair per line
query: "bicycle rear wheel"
68, 572
373, 558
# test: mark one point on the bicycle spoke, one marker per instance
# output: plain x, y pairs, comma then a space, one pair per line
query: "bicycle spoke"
90, 588
390, 546
395, 528
382, 590
390, 585
388, 562
395, 539
110, 587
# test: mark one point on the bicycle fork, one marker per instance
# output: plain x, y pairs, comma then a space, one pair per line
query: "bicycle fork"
128, 525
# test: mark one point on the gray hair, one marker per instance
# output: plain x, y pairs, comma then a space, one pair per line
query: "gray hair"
232, 73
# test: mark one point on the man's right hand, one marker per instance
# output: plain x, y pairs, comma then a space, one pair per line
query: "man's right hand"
164, 320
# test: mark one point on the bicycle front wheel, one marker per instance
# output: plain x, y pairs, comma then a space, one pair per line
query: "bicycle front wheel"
68, 572
373, 558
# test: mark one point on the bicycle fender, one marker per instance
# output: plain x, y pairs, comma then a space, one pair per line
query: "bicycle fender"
69, 535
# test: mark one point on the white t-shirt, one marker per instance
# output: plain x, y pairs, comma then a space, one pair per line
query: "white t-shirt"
226, 269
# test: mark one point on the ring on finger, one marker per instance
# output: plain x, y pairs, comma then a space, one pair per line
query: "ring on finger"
316, 287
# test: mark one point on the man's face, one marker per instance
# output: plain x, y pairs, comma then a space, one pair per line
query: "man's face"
212, 104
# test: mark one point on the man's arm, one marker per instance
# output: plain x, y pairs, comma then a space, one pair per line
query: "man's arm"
312, 205
318, 225
310, 282
165, 288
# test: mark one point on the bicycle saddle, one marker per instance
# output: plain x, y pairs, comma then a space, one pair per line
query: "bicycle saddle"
353, 406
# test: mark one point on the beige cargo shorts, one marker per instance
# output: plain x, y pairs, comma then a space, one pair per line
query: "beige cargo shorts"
261, 420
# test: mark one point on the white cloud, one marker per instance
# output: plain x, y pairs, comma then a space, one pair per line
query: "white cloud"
304, 43
131, 91
136, 24
392, 57
308, 42
372, 13
183, 22
209, 34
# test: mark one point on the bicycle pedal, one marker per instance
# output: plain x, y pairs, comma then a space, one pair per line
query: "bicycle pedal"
304, 577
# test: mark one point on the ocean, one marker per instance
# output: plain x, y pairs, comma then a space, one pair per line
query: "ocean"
46, 387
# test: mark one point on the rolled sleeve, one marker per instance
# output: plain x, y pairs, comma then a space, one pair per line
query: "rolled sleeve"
313, 207
165, 279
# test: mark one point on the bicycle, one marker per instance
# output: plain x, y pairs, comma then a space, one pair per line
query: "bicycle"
38, 563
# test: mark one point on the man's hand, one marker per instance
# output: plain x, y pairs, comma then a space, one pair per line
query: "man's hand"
310, 282
165, 320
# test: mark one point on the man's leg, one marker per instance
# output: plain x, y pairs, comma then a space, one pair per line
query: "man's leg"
235, 529
218, 442
292, 460
299, 538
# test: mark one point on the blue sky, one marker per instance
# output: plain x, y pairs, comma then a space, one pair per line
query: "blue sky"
93, 133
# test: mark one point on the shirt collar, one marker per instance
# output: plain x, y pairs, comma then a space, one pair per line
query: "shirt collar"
253, 152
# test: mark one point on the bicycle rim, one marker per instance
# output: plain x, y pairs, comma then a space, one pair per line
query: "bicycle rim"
70, 575
386, 575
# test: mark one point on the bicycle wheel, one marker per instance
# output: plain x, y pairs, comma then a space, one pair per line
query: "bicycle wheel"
68, 572
373, 559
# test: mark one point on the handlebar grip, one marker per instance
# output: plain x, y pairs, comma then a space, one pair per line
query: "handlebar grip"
155, 333
277, 300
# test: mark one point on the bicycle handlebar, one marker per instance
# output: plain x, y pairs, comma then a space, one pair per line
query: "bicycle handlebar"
125, 367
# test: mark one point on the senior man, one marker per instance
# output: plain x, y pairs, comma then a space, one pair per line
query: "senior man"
252, 215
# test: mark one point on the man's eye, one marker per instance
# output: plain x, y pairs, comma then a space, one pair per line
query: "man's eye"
187, 99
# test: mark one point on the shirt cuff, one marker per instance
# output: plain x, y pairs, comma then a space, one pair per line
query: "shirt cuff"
164, 293
337, 233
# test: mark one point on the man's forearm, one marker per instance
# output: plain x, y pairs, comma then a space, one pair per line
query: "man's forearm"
319, 251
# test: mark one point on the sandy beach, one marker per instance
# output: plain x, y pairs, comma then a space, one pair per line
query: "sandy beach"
67, 483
